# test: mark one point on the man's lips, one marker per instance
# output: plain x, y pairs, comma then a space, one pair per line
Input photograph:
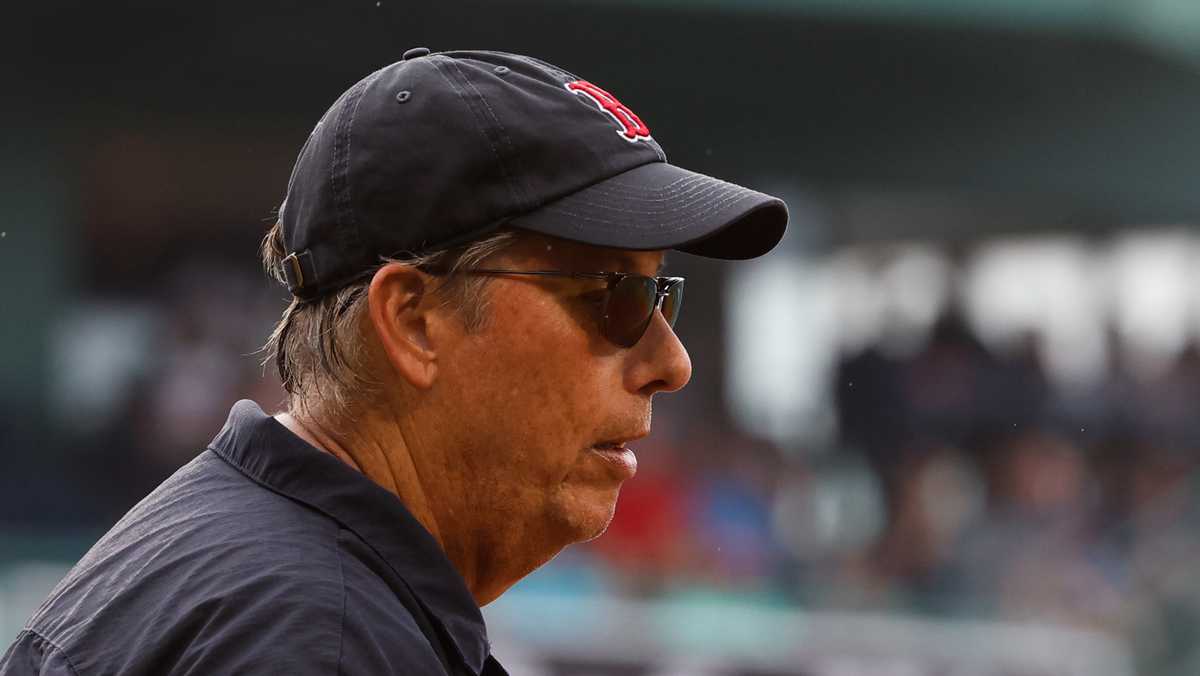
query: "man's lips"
619, 458
621, 441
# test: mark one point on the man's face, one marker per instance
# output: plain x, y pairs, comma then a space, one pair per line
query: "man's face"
526, 401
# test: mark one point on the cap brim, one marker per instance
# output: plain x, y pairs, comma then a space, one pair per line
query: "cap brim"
662, 206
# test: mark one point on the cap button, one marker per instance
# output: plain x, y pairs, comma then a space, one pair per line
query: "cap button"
415, 53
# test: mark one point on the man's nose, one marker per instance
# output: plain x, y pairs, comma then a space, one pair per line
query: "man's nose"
660, 362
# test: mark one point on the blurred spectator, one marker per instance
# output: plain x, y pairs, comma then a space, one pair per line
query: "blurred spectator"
731, 513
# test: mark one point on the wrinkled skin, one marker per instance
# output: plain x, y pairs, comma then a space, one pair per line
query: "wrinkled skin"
488, 436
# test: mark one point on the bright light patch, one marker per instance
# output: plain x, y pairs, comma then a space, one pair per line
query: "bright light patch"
1153, 292
782, 345
1047, 287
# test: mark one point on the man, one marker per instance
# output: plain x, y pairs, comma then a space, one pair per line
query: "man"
473, 242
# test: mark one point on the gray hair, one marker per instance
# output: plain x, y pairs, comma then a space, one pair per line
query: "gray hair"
317, 345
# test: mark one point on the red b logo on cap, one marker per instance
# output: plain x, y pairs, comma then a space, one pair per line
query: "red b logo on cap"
632, 128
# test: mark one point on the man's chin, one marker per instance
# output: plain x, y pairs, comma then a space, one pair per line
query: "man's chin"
597, 532
589, 516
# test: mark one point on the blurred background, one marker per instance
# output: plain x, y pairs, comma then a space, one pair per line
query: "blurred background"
947, 428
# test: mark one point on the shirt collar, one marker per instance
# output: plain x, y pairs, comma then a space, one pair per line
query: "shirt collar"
267, 452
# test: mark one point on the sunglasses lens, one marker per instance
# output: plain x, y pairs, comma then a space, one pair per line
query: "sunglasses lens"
672, 302
630, 305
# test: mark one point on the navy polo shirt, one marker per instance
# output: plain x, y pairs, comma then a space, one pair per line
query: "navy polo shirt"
263, 555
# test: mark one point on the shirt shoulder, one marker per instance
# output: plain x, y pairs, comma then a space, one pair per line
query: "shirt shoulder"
211, 573
214, 572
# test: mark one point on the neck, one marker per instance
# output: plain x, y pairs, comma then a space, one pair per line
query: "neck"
387, 460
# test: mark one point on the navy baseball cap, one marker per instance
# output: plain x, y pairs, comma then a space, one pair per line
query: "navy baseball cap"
439, 149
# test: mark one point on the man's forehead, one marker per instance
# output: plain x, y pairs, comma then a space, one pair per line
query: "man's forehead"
604, 259
634, 261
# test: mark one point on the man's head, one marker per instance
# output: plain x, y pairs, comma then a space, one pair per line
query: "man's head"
473, 241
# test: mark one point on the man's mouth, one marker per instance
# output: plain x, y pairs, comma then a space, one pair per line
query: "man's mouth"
619, 458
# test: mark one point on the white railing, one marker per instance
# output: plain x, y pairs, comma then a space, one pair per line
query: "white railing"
546, 634
711, 639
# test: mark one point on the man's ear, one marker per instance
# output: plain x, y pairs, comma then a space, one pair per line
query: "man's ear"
401, 320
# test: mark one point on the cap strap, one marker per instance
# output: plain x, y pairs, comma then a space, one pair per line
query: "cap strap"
299, 272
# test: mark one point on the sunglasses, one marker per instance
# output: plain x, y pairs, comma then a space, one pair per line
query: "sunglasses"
629, 303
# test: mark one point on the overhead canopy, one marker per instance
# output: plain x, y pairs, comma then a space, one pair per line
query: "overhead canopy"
1084, 110
1171, 25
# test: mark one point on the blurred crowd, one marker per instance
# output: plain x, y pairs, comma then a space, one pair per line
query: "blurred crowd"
962, 483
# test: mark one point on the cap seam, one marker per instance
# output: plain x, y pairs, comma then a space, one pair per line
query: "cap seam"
693, 186
347, 220
478, 124
513, 177
684, 218
699, 198
692, 194
563, 75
